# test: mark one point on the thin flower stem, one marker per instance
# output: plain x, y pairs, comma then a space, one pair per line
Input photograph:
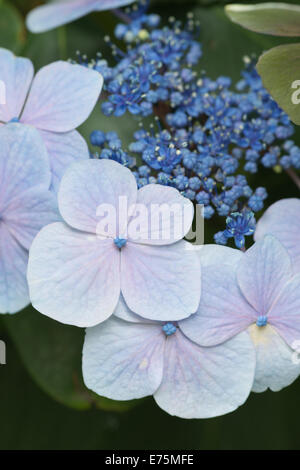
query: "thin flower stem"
293, 175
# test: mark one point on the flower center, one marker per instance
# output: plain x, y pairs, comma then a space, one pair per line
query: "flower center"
169, 329
120, 242
15, 119
262, 320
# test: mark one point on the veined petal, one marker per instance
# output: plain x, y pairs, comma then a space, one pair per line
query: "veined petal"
218, 254
62, 97
123, 312
16, 74
161, 282
14, 294
162, 216
63, 149
27, 215
61, 12
282, 220
275, 364
264, 270
223, 311
73, 277
285, 312
205, 382
122, 360
91, 197
23, 162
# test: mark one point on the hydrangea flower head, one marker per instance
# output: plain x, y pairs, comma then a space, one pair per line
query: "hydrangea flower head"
129, 357
56, 101
60, 12
26, 206
282, 219
254, 291
108, 245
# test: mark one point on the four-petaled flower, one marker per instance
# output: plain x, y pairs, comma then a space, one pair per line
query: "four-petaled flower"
56, 101
79, 267
26, 205
129, 357
60, 12
254, 291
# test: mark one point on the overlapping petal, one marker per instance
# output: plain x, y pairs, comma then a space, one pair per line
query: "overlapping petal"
161, 282
16, 73
205, 382
60, 12
23, 162
62, 96
63, 149
89, 197
14, 295
282, 220
275, 367
162, 216
73, 277
123, 360
264, 270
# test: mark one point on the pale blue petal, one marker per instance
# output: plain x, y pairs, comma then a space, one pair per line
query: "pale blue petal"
218, 254
264, 270
223, 311
161, 282
14, 294
62, 97
285, 312
205, 382
123, 312
16, 73
282, 220
27, 215
63, 149
91, 189
73, 277
122, 360
276, 367
24, 162
162, 216
61, 12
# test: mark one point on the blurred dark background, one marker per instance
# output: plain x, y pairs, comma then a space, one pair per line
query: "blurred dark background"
43, 403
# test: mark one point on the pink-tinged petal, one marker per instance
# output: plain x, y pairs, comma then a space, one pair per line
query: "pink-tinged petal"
285, 312
24, 162
94, 196
14, 294
16, 75
218, 254
123, 312
122, 360
162, 216
62, 97
264, 270
277, 365
61, 12
27, 215
205, 382
161, 282
63, 149
282, 220
223, 311
73, 277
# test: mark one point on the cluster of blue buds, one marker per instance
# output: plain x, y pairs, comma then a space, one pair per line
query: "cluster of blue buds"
205, 134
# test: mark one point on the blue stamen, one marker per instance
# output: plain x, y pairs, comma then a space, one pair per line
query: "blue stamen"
169, 329
262, 320
120, 242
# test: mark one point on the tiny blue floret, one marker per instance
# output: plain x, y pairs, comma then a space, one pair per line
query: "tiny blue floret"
262, 320
169, 329
120, 242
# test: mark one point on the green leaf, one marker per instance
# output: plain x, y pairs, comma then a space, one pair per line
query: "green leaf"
11, 27
280, 72
277, 19
51, 353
